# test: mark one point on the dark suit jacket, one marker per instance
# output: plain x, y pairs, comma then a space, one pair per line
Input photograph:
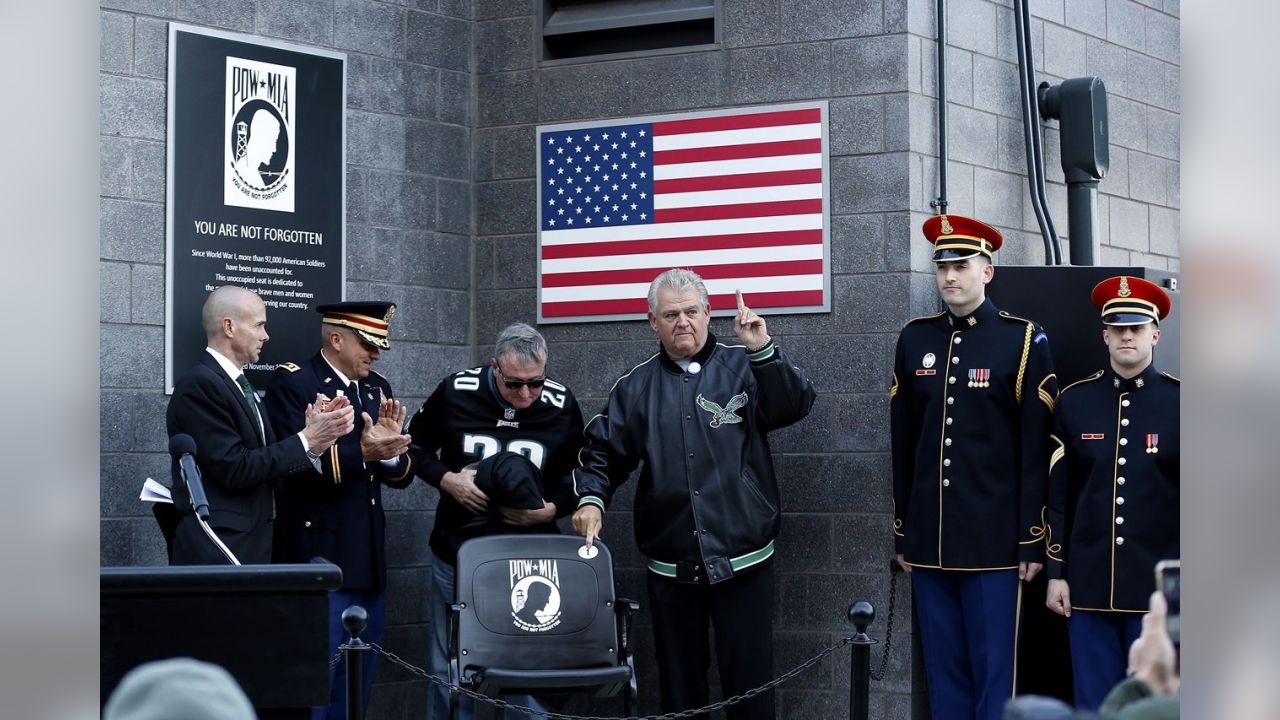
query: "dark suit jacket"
239, 472
335, 513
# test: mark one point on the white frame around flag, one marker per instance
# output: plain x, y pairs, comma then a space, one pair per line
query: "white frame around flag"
820, 105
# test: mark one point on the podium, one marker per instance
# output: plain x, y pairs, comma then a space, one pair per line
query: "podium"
268, 625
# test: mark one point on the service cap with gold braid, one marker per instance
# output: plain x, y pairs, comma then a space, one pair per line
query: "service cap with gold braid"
1128, 300
956, 237
369, 319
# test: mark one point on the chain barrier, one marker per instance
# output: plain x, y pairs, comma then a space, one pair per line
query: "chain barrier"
503, 704
878, 675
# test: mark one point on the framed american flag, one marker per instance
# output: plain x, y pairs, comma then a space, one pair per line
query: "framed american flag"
740, 196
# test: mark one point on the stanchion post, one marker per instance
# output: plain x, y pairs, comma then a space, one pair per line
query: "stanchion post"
354, 620
861, 614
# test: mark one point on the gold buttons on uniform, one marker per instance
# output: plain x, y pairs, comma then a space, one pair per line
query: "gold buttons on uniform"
948, 421
946, 462
951, 401
955, 360
952, 379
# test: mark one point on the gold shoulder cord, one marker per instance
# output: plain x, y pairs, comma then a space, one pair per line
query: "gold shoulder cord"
1022, 367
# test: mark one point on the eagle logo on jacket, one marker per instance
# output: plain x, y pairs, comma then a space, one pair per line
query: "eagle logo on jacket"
723, 415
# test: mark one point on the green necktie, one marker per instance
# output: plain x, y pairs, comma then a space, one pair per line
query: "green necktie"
252, 402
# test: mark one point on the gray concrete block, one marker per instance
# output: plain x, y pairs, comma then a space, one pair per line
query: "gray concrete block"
437, 260
143, 7
431, 315
425, 365
857, 244
438, 149
971, 24
864, 542
971, 136
132, 356
1146, 178
150, 47
113, 292
1116, 181
490, 9
512, 153
1011, 146
897, 122
453, 210
1156, 262
1163, 133
1111, 255
809, 20
308, 21
899, 232
995, 86
507, 98
792, 648
438, 41
115, 422
1166, 237
782, 72
1051, 10
464, 9
1162, 36
406, 607
1153, 82
1128, 127
1006, 45
1173, 7
150, 434
132, 107
132, 231
482, 263
857, 125
515, 261
235, 15
455, 98
506, 44
825, 482
1129, 226
844, 364
869, 65
923, 124
115, 167
804, 543
1173, 186
1087, 16
115, 43
378, 141
149, 170
826, 429
505, 208
376, 84
799, 703
998, 197
1064, 52
418, 496
750, 22
357, 195
115, 546
960, 80
678, 82
1126, 24
872, 183
374, 254
585, 91
1109, 62
369, 27
147, 291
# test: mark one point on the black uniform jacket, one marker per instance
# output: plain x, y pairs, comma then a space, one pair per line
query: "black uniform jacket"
238, 470
1114, 488
971, 410
336, 513
707, 491
465, 420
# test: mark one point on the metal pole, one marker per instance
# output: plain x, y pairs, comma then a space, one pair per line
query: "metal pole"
1082, 221
940, 203
861, 614
354, 620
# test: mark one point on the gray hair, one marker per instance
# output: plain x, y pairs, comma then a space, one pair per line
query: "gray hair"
680, 281
521, 343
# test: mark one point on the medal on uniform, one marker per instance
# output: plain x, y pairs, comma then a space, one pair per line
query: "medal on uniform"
1153, 443
979, 377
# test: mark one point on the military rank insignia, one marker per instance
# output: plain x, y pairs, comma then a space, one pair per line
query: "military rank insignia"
979, 377
1093, 436
1153, 443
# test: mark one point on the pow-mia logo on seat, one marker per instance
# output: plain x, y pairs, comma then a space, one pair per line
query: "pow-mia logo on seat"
535, 594
723, 415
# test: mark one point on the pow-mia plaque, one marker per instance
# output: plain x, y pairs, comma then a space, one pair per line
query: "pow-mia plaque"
256, 187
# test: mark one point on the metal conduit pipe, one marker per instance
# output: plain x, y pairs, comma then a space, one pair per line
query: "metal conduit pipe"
940, 202
1031, 134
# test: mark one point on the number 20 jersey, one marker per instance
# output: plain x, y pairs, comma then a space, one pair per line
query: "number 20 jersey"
465, 420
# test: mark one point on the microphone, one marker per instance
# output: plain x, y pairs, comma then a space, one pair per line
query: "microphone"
183, 449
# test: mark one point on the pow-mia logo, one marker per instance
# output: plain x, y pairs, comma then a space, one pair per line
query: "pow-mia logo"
929, 360
260, 120
723, 415
535, 594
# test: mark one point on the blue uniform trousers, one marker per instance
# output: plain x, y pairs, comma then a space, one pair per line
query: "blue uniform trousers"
1100, 652
375, 603
968, 626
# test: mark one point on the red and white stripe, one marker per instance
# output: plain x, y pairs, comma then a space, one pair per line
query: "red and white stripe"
737, 199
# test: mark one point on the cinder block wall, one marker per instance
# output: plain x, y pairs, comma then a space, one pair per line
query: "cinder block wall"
443, 99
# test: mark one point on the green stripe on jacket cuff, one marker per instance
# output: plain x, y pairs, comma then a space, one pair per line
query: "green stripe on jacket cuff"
591, 500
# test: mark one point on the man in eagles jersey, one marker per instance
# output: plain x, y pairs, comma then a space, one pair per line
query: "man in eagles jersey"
508, 405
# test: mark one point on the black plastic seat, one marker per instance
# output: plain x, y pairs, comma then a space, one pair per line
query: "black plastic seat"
533, 613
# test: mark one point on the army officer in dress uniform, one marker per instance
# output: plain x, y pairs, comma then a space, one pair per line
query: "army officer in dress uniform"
1113, 488
971, 410
336, 511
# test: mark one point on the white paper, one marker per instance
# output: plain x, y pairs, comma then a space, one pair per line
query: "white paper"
153, 491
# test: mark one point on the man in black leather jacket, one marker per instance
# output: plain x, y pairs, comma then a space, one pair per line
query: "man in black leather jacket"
697, 414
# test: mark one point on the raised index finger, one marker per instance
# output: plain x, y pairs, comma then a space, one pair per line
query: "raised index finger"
741, 305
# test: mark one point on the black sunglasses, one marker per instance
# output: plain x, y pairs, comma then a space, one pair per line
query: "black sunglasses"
533, 384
